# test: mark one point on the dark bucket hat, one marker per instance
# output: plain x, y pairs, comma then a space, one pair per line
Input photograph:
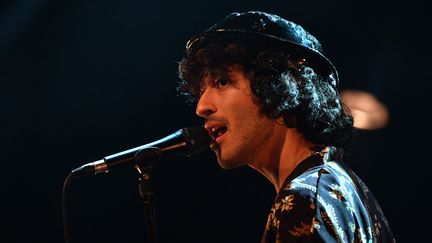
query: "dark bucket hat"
274, 32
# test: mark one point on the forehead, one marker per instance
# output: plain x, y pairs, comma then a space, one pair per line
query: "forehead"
222, 72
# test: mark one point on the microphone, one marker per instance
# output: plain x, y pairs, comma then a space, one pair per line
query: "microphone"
184, 142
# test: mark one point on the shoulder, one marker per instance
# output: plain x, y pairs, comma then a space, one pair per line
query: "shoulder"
326, 183
320, 203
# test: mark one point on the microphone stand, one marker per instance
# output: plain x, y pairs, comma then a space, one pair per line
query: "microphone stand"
147, 195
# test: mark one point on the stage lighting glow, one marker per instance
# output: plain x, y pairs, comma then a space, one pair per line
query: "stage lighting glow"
368, 112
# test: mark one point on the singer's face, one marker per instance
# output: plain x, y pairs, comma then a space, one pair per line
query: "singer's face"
234, 118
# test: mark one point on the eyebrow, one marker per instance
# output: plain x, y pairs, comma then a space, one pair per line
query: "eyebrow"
217, 73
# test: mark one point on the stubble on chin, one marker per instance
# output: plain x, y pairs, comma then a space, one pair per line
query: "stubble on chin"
232, 157
225, 162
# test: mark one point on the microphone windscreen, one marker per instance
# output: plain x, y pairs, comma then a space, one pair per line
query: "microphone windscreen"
198, 138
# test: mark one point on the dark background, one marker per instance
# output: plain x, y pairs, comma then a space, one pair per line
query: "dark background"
84, 79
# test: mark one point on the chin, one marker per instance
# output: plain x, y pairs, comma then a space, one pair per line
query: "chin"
226, 160
227, 166
227, 163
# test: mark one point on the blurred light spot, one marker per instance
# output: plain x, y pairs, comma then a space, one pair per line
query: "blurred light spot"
368, 112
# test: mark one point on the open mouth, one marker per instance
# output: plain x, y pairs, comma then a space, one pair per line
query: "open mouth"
217, 132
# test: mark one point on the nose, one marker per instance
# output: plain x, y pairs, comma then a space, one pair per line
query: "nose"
206, 104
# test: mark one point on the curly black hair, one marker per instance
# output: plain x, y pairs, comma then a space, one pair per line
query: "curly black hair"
284, 85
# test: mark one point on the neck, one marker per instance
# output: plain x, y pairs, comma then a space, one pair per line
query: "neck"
288, 150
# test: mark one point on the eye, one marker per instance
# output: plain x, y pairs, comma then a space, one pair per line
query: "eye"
219, 83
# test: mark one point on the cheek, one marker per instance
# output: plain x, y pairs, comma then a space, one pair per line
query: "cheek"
246, 114
240, 106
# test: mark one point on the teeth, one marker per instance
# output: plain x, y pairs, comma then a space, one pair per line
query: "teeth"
213, 129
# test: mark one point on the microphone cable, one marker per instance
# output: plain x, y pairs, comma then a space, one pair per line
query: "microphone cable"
64, 210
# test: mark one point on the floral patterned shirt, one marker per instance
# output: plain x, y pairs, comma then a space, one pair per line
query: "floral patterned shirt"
324, 201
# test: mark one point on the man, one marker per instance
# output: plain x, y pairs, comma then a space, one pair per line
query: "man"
270, 101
